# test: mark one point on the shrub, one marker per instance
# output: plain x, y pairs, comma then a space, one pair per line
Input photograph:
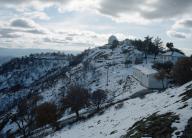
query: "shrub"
154, 126
98, 98
125, 51
77, 59
76, 99
138, 61
46, 113
182, 72
166, 66
162, 75
25, 114
119, 106
128, 62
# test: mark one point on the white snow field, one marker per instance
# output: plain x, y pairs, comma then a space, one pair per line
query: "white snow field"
120, 120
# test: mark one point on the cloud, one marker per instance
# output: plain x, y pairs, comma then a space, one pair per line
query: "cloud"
32, 5
132, 11
8, 33
26, 33
124, 10
28, 26
23, 23
176, 34
36, 15
12, 2
181, 28
187, 23
187, 51
184, 23
21, 27
115, 8
168, 8
146, 9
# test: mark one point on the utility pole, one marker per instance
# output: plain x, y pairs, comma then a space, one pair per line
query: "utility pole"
107, 67
107, 75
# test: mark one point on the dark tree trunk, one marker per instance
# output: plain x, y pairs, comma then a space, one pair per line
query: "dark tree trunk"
163, 83
146, 57
77, 114
98, 107
155, 57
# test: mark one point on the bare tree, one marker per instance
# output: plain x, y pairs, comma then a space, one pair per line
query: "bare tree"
46, 113
76, 99
162, 75
25, 115
182, 71
98, 98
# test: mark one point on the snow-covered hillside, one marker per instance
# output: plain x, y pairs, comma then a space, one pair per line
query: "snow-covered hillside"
26, 70
114, 123
18, 75
4, 59
100, 68
106, 68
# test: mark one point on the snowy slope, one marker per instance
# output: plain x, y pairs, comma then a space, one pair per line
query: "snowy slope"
98, 68
115, 122
26, 70
101, 68
18, 75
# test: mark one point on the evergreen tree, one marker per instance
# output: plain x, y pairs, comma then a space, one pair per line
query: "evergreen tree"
157, 46
170, 46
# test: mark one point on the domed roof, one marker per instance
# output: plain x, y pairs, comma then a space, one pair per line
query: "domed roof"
112, 39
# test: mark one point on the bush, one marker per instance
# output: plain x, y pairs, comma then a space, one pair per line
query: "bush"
119, 106
125, 51
154, 126
98, 98
138, 61
128, 62
16, 88
182, 72
76, 99
166, 66
24, 117
77, 59
46, 113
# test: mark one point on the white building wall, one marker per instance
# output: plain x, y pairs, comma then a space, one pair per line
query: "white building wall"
154, 83
166, 58
147, 80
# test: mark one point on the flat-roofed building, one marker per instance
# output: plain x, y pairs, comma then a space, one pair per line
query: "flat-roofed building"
146, 76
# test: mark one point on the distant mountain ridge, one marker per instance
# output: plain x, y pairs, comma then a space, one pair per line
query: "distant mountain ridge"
4, 59
18, 52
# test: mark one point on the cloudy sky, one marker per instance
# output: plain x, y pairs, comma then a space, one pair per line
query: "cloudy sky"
80, 24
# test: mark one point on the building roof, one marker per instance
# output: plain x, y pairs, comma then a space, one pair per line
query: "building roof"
173, 53
137, 51
112, 39
145, 69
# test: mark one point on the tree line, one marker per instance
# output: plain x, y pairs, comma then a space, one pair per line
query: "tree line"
180, 73
31, 114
